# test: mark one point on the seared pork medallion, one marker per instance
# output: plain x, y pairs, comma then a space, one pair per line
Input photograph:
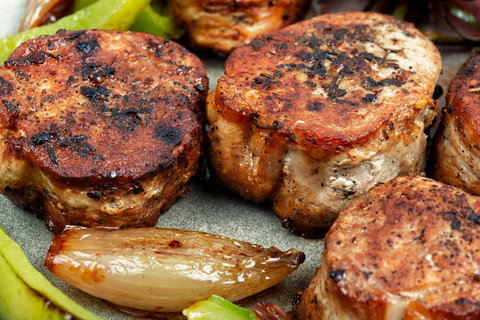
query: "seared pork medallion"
223, 25
455, 153
407, 250
313, 116
99, 127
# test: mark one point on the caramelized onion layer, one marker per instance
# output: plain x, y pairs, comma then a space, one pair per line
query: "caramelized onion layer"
165, 270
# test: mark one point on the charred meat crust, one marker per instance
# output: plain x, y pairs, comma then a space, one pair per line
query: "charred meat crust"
408, 247
337, 92
320, 58
108, 116
101, 114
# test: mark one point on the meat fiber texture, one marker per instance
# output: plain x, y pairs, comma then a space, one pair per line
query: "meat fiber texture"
407, 250
455, 153
313, 116
223, 25
99, 128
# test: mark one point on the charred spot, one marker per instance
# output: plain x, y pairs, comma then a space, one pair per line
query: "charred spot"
88, 46
340, 34
450, 108
350, 103
268, 83
36, 57
51, 154
437, 93
333, 87
19, 73
124, 117
285, 16
97, 158
370, 83
90, 74
107, 71
74, 35
258, 80
326, 55
337, 275
137, 187
5, 86
70, 80
158, 48
310, 41
79, 138
64, 142
281, 46
369, 98
317, 69
475, 218
51, 55
266, 75
182, 69
278, 73
456, 224
94, 94
315, 106
305, 56
170, 135
175, 244
199, 88
93, 195
8, 189
11, 108
84, 148
274, 126
461, 301
257, 43
369, 57
41, 138
166, 162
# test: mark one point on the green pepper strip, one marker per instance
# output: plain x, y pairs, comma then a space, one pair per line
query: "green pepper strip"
157, 19
217, 308
105, 14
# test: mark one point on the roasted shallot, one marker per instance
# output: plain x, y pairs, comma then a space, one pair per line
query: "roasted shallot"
165, 270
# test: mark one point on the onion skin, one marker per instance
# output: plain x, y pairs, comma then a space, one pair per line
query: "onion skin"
164, 270
39, 12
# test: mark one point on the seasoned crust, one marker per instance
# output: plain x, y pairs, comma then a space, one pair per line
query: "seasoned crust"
409, 246
327, 69
332, 94
455, 155
100, 115
223, 25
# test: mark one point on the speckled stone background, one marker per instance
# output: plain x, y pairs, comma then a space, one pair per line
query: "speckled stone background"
206, 208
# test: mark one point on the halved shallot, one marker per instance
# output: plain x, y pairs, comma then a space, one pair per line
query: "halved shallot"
165, 270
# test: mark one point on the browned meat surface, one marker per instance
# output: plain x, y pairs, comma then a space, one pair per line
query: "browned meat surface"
407, 250
99, 127
223, 25
315, 115
455, 155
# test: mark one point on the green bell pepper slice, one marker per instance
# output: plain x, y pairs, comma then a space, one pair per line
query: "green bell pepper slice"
217, 308
104, 14
157, 19
26, 294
